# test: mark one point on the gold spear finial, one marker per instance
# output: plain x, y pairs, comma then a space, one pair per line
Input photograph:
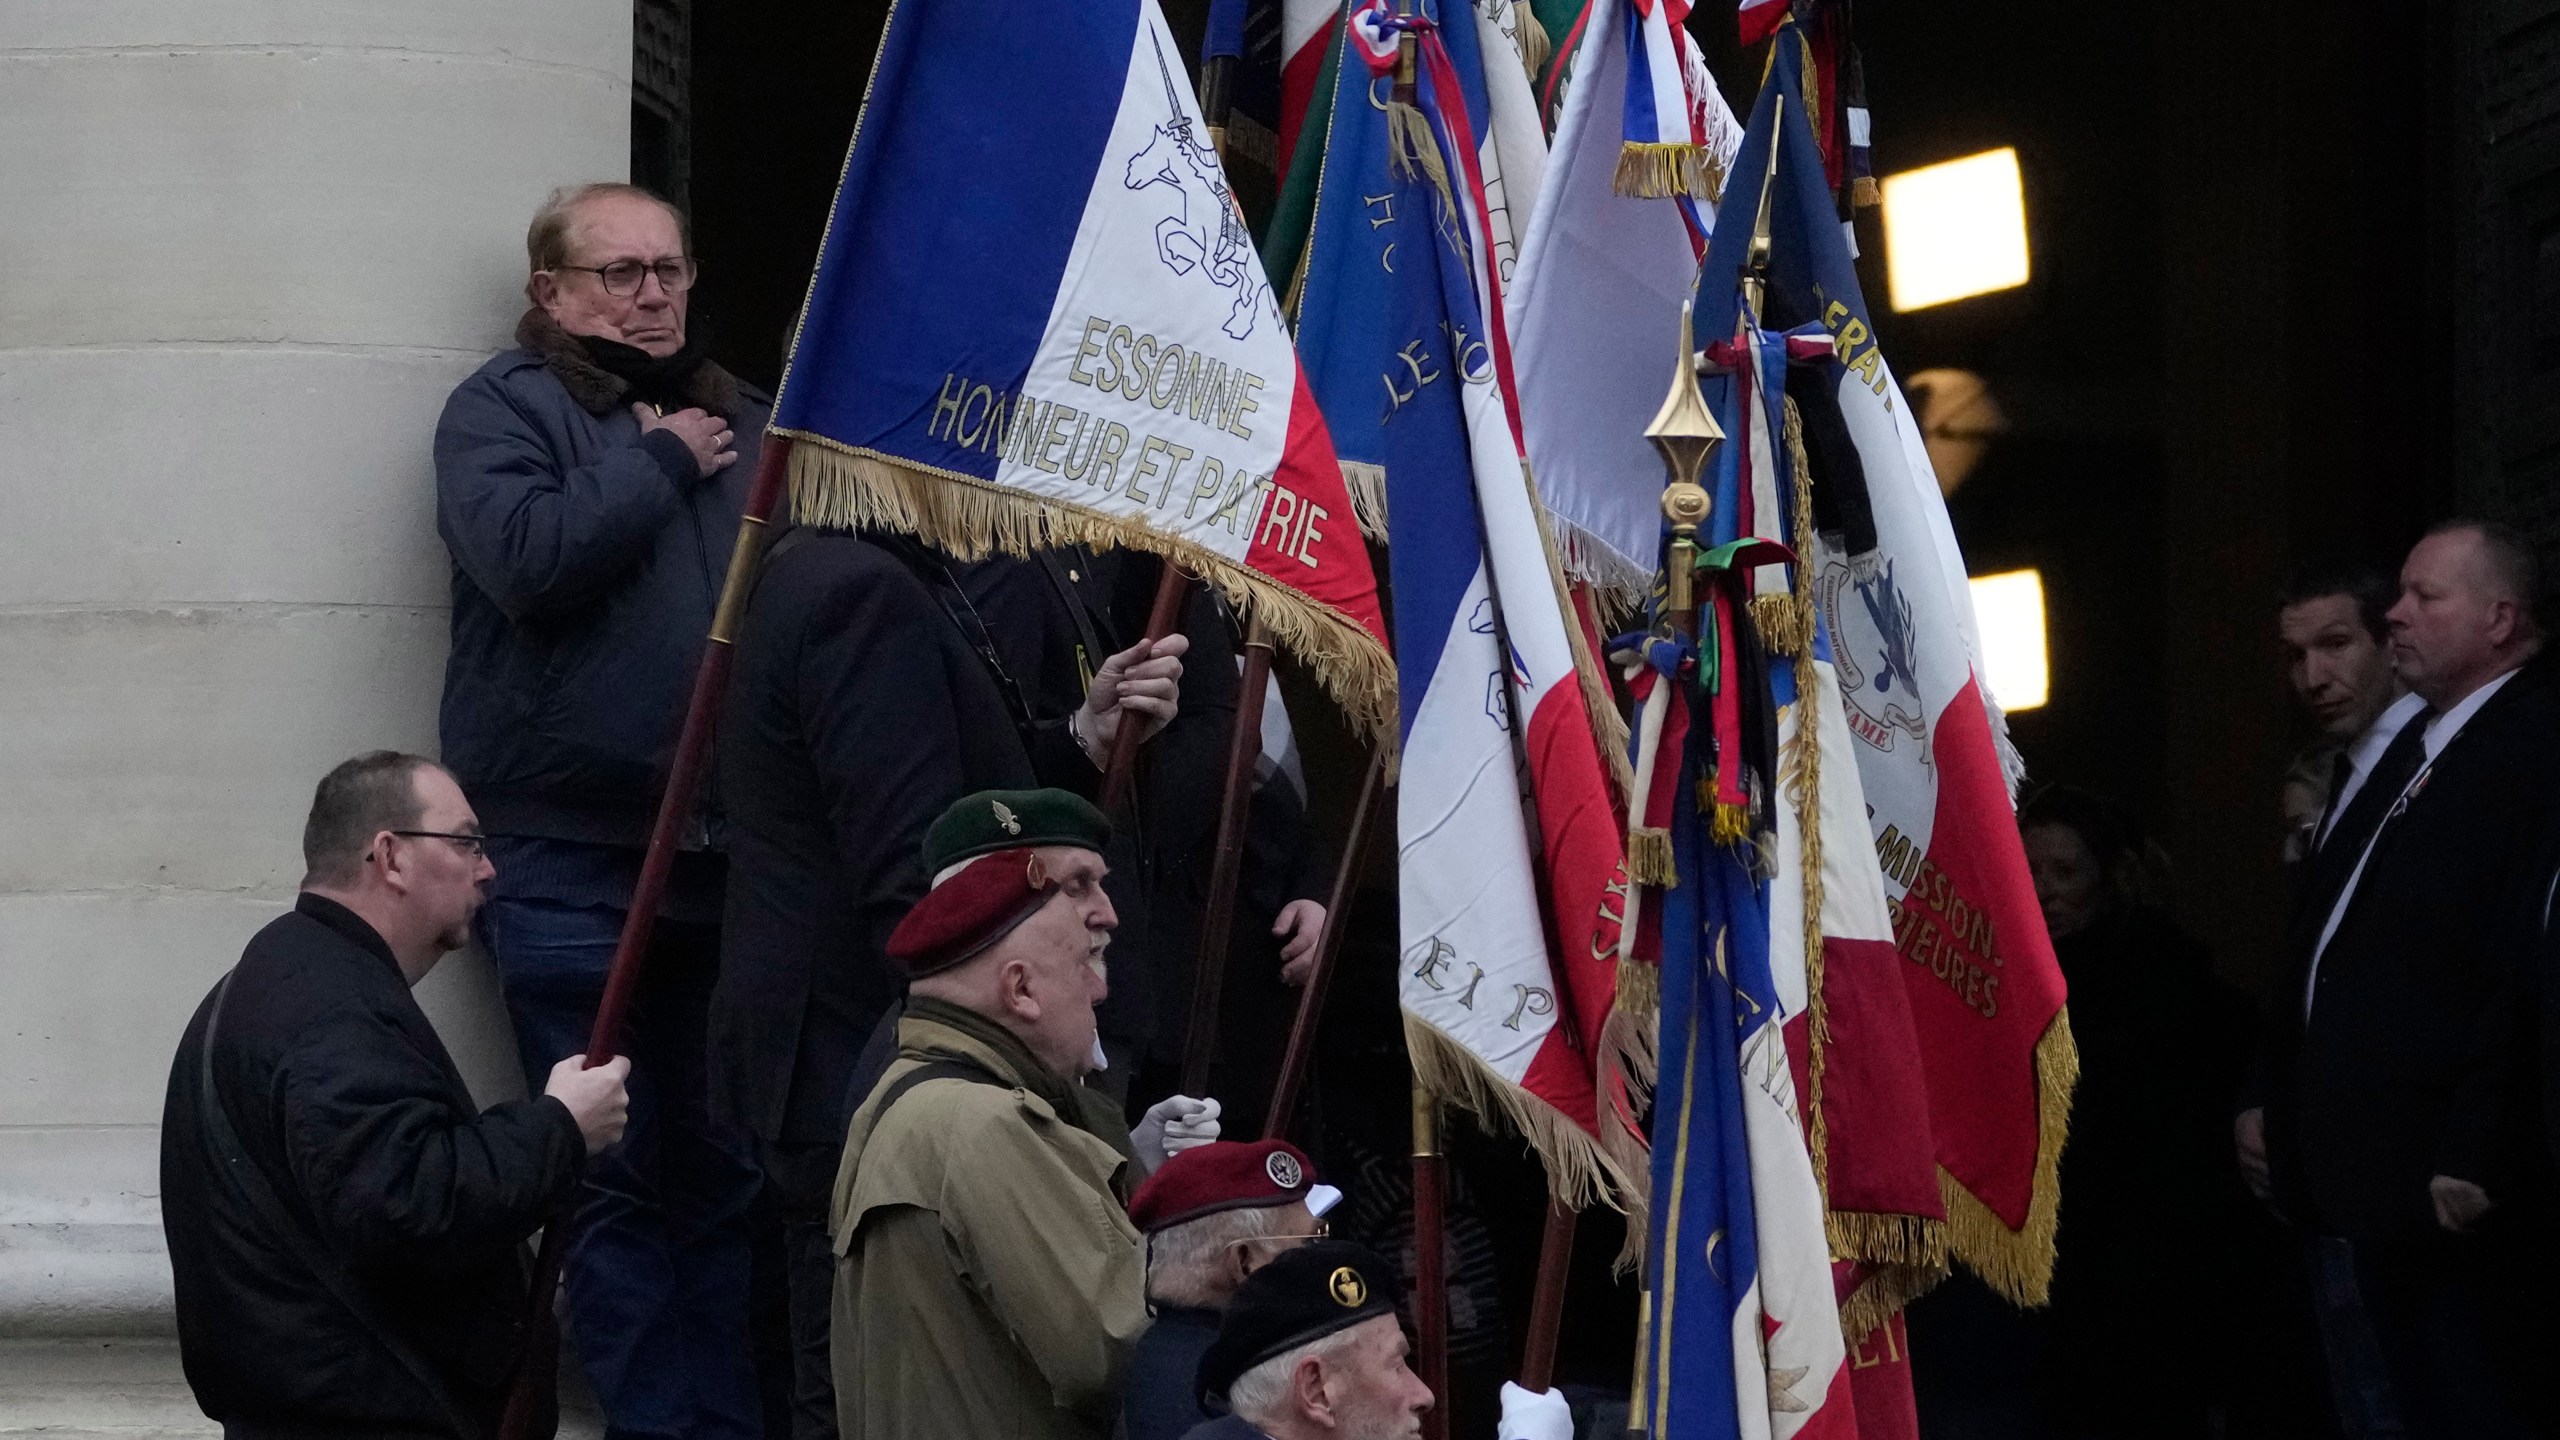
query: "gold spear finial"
1686, 434
1755, 268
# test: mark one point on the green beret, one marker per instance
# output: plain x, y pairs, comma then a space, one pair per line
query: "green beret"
993, 820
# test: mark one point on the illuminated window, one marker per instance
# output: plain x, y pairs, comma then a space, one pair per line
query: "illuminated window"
1955, 230
2008, 608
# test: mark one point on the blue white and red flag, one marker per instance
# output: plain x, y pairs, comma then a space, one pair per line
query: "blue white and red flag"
1507, 973
1035, 324
1602, 277
1984, 995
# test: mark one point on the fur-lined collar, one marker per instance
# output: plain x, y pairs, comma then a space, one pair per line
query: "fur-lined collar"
599, 391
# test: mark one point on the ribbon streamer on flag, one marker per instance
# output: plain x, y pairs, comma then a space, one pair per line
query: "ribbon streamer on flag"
1043, 324
1508, 842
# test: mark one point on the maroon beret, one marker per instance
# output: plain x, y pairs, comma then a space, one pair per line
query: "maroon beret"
1228, 1175
970, 910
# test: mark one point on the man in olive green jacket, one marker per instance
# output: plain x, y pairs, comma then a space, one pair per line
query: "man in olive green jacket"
988, 1281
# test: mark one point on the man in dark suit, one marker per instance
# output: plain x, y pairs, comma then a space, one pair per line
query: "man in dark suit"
2374, 1139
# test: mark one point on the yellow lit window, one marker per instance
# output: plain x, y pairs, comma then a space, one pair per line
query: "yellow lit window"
1955, 230
2009, 610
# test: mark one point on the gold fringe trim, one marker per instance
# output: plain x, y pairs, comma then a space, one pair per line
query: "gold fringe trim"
1781, 628
1884, 1239
1580, 1172
1864, 194
1649, 857
1883, 1292
1732, 824
2019, 1263
1801, 771
1368, 486
1630, 1044
836, 486
1535, 45
1658, 170
1413, 150
1608, 726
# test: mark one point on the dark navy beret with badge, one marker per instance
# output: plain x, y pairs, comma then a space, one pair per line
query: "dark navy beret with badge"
1302, 1296
993, 820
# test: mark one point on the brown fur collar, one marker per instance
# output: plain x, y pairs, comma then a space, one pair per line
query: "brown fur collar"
598, 390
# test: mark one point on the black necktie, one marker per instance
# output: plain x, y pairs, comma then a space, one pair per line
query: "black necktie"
2364, 815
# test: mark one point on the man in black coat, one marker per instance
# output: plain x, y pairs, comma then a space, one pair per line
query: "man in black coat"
1052, 615
344, 1224
588, 484
2378, 1132
867, 694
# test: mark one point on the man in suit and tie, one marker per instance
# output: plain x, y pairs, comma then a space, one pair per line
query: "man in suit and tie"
2361, 1126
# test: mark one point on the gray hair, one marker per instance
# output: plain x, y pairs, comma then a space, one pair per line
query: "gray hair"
546, 240
1183, 1260
1261, 1395
361, 798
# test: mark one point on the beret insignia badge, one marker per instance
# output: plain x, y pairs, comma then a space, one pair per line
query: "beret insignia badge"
1283, 1169
1006, 818
1349, 1290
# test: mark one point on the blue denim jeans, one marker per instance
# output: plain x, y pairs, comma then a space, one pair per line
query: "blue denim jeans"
658, 1268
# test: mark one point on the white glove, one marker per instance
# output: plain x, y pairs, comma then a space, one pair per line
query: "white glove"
1534, 1415
1171, 1126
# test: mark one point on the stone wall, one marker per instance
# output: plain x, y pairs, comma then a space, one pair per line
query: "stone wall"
246, 247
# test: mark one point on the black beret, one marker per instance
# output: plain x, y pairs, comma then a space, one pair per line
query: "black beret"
1303, 1295
993, 820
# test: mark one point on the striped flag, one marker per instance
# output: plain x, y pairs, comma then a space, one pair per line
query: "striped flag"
1043, 324
1508, 843
1984, 995
1602, 277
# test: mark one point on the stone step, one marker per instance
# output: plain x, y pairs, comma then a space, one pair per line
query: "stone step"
135, 1389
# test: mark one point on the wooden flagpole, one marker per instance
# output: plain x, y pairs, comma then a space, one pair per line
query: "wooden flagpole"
1173, 591
1430, 1263
1546, 1302
529, 1391
1235, 804
1337, 912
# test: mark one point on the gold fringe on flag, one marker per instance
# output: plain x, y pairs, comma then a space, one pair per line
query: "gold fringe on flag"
1884, 1290
1801, 769
1658, 170
1580, 1173
841, 487
1782, 627
1649, 857
1629, 1046
1535, 45
1413, 150
2019, 1263
1368, 486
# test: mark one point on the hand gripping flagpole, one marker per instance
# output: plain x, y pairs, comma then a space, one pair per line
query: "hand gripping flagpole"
529, 1392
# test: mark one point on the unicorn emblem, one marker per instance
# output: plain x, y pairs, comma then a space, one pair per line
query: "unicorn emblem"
1205, 233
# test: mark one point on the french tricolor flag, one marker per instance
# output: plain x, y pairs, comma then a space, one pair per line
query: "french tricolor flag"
1506, 975
1038, 318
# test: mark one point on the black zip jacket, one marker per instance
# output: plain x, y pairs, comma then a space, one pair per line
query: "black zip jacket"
346, 1102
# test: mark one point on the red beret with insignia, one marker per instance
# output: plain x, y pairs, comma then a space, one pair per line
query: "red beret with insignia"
1228, 1175
969, 911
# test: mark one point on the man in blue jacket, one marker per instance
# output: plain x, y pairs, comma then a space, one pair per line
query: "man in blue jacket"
588, 484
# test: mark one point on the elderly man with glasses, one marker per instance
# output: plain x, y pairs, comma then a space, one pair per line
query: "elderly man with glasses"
588, 485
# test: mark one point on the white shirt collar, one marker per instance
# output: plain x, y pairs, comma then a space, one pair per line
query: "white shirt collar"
2442, 729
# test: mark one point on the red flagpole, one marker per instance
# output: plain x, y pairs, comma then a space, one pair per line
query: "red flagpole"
530, 1392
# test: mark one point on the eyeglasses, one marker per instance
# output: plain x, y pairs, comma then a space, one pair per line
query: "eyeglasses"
622, 278
472, 845
1323, 1229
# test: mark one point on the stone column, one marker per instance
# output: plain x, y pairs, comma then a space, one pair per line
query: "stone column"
246, 247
